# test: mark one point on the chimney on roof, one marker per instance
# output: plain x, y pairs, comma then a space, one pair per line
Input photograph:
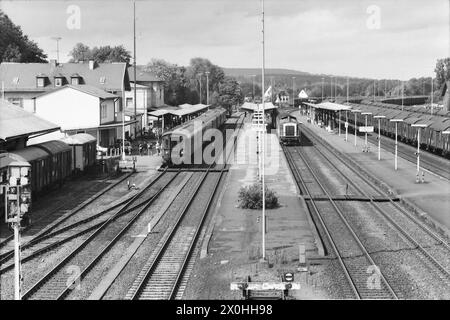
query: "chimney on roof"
53, 63
91, 64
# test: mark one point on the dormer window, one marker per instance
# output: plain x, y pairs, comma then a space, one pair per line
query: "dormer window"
58, 82
75, 79
40, 80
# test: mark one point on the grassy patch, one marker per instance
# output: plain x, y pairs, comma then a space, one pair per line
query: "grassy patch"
250, 197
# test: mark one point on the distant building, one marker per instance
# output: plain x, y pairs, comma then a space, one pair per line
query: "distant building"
149, 93
23, 81
18, 125
283, 97
82, 109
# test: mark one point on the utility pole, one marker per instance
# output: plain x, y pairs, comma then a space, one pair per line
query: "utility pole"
200, 74
331, 88
134, 67
335, 89
402, 95
432, 95
207, 87
322, 90
253, 82
293, 92
263, 146
57, 47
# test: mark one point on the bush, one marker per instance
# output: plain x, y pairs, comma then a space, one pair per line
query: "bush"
250, 197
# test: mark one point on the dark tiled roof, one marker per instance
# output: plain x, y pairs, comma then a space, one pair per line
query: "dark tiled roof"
93, 91
115, 75
16, 122
142, 75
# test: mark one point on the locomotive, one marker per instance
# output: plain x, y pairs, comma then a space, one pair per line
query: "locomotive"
289, 129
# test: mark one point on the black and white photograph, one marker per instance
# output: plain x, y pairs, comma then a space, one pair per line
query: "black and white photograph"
236, 156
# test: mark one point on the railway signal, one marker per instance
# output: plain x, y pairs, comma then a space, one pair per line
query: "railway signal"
17, 204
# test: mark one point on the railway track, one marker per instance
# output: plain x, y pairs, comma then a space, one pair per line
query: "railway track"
166, 272
49, 241
160, 277
61, 213
400, 219
55, 284
429, 161
349, 250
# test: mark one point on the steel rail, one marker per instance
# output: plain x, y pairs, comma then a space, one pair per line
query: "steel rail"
55, 269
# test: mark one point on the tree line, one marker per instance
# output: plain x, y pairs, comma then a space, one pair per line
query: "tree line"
187, 84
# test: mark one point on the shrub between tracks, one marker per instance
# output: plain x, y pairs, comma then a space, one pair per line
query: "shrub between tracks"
250, 197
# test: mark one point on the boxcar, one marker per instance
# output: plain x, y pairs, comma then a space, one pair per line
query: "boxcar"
83, 147
40, 161
61, 160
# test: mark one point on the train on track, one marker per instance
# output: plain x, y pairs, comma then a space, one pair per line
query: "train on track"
289, 131
51, 162
183, 145
431, 137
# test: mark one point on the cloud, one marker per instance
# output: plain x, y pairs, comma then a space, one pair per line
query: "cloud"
323, 36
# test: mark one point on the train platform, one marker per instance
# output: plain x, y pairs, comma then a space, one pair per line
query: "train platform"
430, 200
233, 245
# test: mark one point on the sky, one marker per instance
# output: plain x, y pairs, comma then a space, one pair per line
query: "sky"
394, 39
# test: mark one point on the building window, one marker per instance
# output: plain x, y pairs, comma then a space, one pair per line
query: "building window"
16, 101
129, 102
103, 111
40, 82
102, 80
58, 82
75, 81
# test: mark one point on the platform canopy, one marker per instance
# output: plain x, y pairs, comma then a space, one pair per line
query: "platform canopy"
258, 106
15, 122
329, 106
181, 110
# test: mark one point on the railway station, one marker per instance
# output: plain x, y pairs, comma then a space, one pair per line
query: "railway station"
129, 177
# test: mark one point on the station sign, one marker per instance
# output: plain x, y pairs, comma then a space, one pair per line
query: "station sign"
366, 129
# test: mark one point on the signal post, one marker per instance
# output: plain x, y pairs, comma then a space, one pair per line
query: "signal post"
17, 205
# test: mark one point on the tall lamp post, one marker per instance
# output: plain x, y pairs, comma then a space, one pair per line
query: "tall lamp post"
432, 95
322, 90
331, 88
366, 147
293, 92
207, 87
253, 85
355, 127
418, 126
396, 141
200, 75
379, 134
